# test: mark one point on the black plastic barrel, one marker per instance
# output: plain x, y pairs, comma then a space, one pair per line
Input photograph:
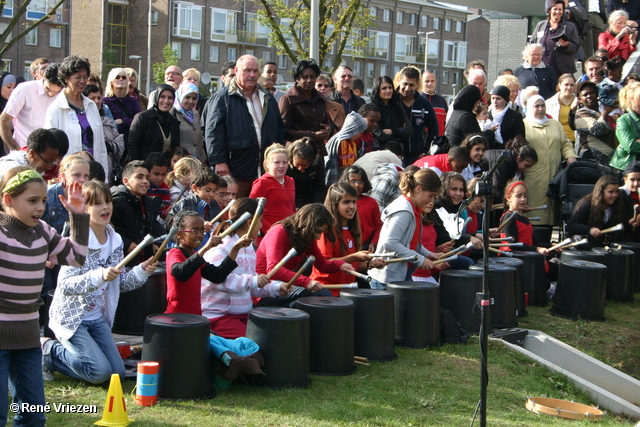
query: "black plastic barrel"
330, 334
580, 290
535, 277
416, 313
518, 264
134, 306
502, 280
373, 323
583, 256
619, 273
458, 290
179, 342
635, 248
283, 337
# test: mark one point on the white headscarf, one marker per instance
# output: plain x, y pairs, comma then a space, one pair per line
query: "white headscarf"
531, 111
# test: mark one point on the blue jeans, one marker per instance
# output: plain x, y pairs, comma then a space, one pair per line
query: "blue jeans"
22, 370
90, 354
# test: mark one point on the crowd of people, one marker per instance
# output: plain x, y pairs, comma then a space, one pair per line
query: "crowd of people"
345, 178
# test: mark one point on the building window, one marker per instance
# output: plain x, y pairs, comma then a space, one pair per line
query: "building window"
266, 57
37, 9
458, 26
55, 37
373, 11
154, 17
436, 23
177, 48
255, 32
404, 47
328, 63
187, 20
412, 19
3, 28
455, 54
357, 68
232, 54
378, 47
282, 62
195, 51
250, 52
26, 71
371, 68
456, 78
7, 65
399, 16
447, 24
445, 77
224, 23
214, 53
433, 51
31, 39
386, 15
7, 10
424, 21
383, 70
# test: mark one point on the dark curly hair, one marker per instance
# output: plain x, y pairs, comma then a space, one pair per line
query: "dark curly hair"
302, 65
71, 65
301, 226
51, 74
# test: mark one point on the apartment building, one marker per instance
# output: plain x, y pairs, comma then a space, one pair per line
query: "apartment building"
50, 39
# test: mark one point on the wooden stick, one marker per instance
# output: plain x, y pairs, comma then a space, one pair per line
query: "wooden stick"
612, 229
559, 245
222, 212
306, 264
498, 206
505, 253
360, 275
405, 259
462, 248
254, 222
384, 254
357, 362
504, 224
282, 262
534, 218
244, 218
163, 246
538, 208
148, 239
509, 245
500, 239
342, 286
578, 243
360, 359
440, 261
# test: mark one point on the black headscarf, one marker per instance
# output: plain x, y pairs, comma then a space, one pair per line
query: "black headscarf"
467, 98
163, 116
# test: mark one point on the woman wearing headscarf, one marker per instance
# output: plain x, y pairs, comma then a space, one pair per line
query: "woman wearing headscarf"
559, 38
509, 122
7, 84
184, 110
123, 106
462, 121
155, 130
551, 144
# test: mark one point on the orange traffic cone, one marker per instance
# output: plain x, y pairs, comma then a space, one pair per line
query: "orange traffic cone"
115, 408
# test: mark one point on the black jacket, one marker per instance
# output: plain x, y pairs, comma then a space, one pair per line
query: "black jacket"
393, 117
505, 172
230, 135
356, 101
512, 125
310, 185
462, 121
129, 220
424, 124
544, 78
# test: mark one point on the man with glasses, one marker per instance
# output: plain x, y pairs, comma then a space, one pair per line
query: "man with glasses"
41, 154
172, 77
343, 79
27, 108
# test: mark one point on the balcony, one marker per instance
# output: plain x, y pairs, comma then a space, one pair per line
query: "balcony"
376, 52
249, 37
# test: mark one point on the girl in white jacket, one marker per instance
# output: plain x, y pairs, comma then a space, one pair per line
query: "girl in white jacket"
227, 304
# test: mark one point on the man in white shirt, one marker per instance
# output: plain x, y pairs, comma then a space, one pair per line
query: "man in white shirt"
27, 108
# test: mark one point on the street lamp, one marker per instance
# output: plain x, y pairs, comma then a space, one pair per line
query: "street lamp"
426, 45
139, 58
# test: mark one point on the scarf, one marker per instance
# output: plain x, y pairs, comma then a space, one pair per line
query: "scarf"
530, 110
183, 91
497, 120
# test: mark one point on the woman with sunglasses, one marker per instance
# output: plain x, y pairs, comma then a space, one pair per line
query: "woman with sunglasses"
75, 114
123, 106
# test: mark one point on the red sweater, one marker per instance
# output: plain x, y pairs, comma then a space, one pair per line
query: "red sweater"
429, 236
370, 222
274, 247
332, 250
281, 199
439, 163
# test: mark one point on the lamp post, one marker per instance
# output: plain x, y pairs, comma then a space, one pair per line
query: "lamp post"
426, 45
139, 58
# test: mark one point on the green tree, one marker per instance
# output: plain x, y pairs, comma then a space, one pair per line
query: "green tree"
170, 58
19, 13
342, 27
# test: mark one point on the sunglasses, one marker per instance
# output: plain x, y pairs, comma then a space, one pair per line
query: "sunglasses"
119, 77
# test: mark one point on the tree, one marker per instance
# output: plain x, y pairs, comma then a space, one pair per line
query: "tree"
170, 58
342, 25
17, 16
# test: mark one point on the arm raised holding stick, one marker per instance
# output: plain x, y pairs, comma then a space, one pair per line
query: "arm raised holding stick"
163, 246
148, 239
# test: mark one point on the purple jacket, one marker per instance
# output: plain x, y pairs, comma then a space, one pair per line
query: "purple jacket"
123, 108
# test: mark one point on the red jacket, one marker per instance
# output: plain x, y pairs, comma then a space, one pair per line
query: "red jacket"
614, 46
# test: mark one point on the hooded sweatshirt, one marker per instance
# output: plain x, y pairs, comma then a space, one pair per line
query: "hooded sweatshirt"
338, 146
462, 121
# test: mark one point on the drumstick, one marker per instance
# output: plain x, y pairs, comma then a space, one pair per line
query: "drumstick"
306, 264
222, 212
507, 221
360, 359
254, 222
135, 252
498, 206
244, 218
500, 239
612, 229
462, 248
342, 286
508, 245
282, 262
559, 245
538, 208
163, 246
534, 218
367, 278
405, 259
508, 254
384, 254
578, 243
440, 261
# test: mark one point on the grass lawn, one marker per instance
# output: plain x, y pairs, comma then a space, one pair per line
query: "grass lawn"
429, 387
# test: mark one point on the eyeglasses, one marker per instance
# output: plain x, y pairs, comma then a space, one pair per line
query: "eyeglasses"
119, 77
77, 77
194, 231
52, 163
